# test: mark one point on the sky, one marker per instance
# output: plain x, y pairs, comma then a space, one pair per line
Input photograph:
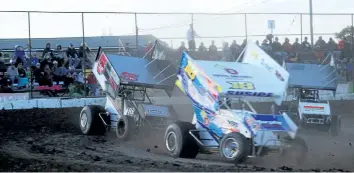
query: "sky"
172, 28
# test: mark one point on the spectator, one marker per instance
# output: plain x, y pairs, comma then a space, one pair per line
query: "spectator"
46, 61
190, 38
92, 83
235, 50
226, 51
182, 48
5, 82
320, 43
83, 49
257, 43
212, 47
287, 46
265, 45
22, 77
21, 71
71, 51
70, 76
75, 62
38, 73
244, 43
305, 45
278, 50
59, 73
48, 49
276, 46
202, 48
341, 45
34, 60
19, 56
296, 46
48, 76
331, 45
66, 63
59, 54
12, 73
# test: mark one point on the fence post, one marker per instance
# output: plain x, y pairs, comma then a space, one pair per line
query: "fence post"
83, 61
30, 49
352, 31
246, 26
136, 34
301, 28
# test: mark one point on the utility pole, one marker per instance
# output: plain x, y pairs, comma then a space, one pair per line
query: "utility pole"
311, 22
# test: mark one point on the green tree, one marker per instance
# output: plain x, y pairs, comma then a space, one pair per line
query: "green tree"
346, 32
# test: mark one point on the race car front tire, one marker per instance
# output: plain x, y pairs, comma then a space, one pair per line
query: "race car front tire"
90, 121
178, 141
125, 127
240, 144
336, 125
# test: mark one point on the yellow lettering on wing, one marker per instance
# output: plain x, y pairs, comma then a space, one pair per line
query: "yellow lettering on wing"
188, 69
242, 85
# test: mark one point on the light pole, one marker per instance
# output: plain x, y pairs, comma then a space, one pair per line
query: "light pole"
311, 22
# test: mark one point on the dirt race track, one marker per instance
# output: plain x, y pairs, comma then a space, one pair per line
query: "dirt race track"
50, 140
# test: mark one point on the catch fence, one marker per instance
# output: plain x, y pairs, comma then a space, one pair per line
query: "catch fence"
107, 29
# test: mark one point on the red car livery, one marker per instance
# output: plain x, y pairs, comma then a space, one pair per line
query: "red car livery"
129, 76
102, 62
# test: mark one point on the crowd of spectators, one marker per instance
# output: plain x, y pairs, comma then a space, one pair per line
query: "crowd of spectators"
320, 53
49, 67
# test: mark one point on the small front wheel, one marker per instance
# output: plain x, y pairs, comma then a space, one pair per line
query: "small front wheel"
90, 121
179, 142
125, 127
234, 147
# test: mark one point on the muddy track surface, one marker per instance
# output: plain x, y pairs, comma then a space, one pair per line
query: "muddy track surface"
50, 140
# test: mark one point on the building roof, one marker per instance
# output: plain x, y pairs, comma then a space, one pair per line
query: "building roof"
92, 42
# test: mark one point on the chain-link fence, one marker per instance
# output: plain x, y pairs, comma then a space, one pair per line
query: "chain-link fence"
133, 31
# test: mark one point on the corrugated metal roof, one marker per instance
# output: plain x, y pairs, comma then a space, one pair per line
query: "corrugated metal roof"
104, 41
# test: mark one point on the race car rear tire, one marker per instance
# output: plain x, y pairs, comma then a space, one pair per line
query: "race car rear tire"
239, 142
125, 127
336, 125
90, 121
178, 141
298, 147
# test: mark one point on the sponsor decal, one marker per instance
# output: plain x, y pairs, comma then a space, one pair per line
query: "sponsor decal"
267, 66
114, 85
205, 117
129, 76
232, 123
102, 62
151, 110
279, 76
254, 54
313, 108
189, 71
230, 73
240, 85
248, 93
276, 125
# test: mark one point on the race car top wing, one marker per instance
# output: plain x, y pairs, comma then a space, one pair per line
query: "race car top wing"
232, 79
312, 76
142, 72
